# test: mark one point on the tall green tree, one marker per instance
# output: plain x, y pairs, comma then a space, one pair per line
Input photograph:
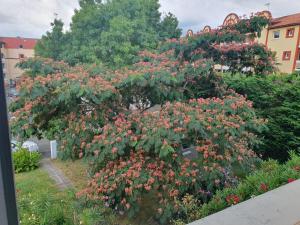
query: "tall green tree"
114, 31
52, 44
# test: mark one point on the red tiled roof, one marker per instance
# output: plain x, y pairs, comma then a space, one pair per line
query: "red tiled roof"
285, 21
15, 42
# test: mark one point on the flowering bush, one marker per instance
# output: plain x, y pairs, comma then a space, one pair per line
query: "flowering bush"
141, 154
48, 103
232, 46
271, 175
178, 71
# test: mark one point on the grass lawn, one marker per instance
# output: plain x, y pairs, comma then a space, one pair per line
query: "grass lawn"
76, 171
40, 202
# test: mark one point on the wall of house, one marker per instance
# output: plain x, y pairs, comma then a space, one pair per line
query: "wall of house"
283, 44
263, 37
12, 57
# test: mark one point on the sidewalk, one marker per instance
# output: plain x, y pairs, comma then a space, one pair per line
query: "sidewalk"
278, 207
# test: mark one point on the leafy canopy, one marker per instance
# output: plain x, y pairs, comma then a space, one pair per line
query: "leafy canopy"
111, 32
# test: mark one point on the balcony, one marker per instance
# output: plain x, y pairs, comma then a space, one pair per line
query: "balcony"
297, 65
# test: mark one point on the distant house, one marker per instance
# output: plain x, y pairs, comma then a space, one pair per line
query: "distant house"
13, 50
283, 37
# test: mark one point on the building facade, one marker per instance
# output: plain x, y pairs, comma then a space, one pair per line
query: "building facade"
282, 36
13, 50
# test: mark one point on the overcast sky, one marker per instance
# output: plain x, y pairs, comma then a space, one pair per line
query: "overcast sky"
31, 18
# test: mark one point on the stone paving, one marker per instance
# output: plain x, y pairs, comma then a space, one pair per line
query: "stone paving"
60, 179
278, 207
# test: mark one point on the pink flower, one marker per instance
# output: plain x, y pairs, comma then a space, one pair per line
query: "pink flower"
264, 187
114, 150
290, 180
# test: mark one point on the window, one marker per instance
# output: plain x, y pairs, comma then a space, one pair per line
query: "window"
286, 55
276, 34
21, 56
21, 46
2, 55
290, 33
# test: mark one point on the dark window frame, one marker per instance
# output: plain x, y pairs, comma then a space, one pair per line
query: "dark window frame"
288, 32
284, 54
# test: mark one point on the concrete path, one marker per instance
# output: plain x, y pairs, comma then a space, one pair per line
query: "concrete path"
61, 180
278, 207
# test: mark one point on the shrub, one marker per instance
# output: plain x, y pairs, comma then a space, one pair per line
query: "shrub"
141, 154
270, 176
276, 98
25, 160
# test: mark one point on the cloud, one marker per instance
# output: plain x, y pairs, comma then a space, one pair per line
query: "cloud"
31, 18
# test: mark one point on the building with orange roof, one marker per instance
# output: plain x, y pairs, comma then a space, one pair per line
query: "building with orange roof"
283, 37
13, 50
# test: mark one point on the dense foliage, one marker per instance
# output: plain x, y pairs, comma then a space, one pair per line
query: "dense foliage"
271, 175
111, 32
233, 47
49, 103
142, 153
276, 98
25, 160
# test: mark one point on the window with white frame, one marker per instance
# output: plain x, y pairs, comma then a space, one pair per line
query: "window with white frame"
276, 34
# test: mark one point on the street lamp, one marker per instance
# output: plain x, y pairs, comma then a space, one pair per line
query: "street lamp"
8, 206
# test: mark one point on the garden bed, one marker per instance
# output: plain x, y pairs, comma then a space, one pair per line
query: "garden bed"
270, 176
